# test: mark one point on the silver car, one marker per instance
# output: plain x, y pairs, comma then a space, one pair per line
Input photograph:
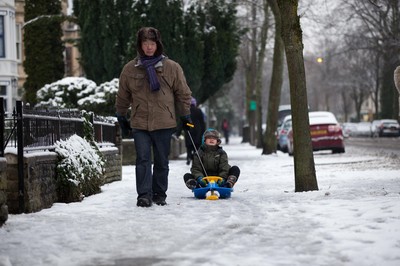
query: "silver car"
385, 127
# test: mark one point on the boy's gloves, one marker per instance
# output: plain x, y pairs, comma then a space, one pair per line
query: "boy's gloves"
230, 181
187, 122
202, 182
124, 124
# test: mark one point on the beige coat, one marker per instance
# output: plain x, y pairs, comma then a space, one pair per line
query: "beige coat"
153, 110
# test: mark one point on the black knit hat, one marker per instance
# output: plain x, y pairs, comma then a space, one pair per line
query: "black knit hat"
152, 34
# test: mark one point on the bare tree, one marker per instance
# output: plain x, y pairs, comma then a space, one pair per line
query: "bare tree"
252, 57
269, 144
260, 67
378, 25
304, 167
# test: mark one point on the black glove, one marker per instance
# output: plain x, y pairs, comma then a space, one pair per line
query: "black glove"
124, 124
187, 122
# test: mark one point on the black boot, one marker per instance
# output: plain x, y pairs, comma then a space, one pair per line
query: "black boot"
159, 199
230, 181
144, 202
190, 182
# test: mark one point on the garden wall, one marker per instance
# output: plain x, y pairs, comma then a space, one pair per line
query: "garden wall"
40, 175
129, 152
40, 178
3, 189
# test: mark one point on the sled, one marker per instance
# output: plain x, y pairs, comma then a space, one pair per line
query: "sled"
212, 191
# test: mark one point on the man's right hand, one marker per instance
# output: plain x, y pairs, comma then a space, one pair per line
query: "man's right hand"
187, 122
124, 124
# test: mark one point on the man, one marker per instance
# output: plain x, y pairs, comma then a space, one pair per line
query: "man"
153, 86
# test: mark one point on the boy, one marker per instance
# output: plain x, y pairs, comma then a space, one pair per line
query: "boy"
214, 162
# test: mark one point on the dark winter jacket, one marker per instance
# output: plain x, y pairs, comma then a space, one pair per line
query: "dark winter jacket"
215, 161
153, 110
199, 127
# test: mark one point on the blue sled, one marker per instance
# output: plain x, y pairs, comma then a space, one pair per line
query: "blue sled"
219, 192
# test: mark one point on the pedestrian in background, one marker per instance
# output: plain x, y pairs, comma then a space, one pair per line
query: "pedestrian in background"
196, 132
155, 89
225, 129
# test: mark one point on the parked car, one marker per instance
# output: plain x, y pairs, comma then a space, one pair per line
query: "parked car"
283, 111
363, 129
349, 129
282, 133
374, 128
386, 127
326, 133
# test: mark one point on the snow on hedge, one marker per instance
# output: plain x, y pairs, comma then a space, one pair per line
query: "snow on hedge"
65, 93
101, 93
79, 162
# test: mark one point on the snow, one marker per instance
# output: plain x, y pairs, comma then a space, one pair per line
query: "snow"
353, 219
78, 157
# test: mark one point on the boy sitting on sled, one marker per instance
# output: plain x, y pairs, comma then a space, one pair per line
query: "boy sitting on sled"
211, 160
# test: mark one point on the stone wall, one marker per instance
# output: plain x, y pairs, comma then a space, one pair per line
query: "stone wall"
40, 178
40, 175
3, 189
129, 152
113, 165
39, 181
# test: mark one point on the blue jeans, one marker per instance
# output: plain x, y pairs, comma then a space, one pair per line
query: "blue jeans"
154, 183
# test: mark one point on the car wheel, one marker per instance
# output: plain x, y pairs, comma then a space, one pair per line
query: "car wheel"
338, 150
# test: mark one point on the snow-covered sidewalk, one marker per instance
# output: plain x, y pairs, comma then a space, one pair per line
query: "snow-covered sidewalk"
354, 219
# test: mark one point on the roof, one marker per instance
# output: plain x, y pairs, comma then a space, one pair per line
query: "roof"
322, 117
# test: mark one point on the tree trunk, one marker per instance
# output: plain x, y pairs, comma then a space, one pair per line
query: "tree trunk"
260, 68
251, 90
389, 104
275, 88
304, 168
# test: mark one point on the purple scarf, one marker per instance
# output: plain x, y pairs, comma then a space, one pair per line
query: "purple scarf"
149, 62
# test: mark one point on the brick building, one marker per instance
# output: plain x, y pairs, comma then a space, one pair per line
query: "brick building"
12, 74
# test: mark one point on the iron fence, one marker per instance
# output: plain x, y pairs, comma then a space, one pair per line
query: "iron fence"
41, 129
29, 129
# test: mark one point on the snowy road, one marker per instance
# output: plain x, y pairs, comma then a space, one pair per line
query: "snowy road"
354, 219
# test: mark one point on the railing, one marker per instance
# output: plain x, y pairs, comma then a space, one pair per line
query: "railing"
42, 128
28, 130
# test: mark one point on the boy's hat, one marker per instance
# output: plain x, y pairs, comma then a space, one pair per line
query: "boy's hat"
212, 133
152, 34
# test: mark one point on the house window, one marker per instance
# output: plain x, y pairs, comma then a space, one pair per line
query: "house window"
3, 90
68, 61
2, 48
18, 41
3, 93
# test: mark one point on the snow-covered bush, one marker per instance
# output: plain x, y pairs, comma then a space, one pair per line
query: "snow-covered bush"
65, 93
102, 100
80, 170
79, 93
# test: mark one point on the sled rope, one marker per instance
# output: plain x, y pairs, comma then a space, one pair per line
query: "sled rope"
195, 149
